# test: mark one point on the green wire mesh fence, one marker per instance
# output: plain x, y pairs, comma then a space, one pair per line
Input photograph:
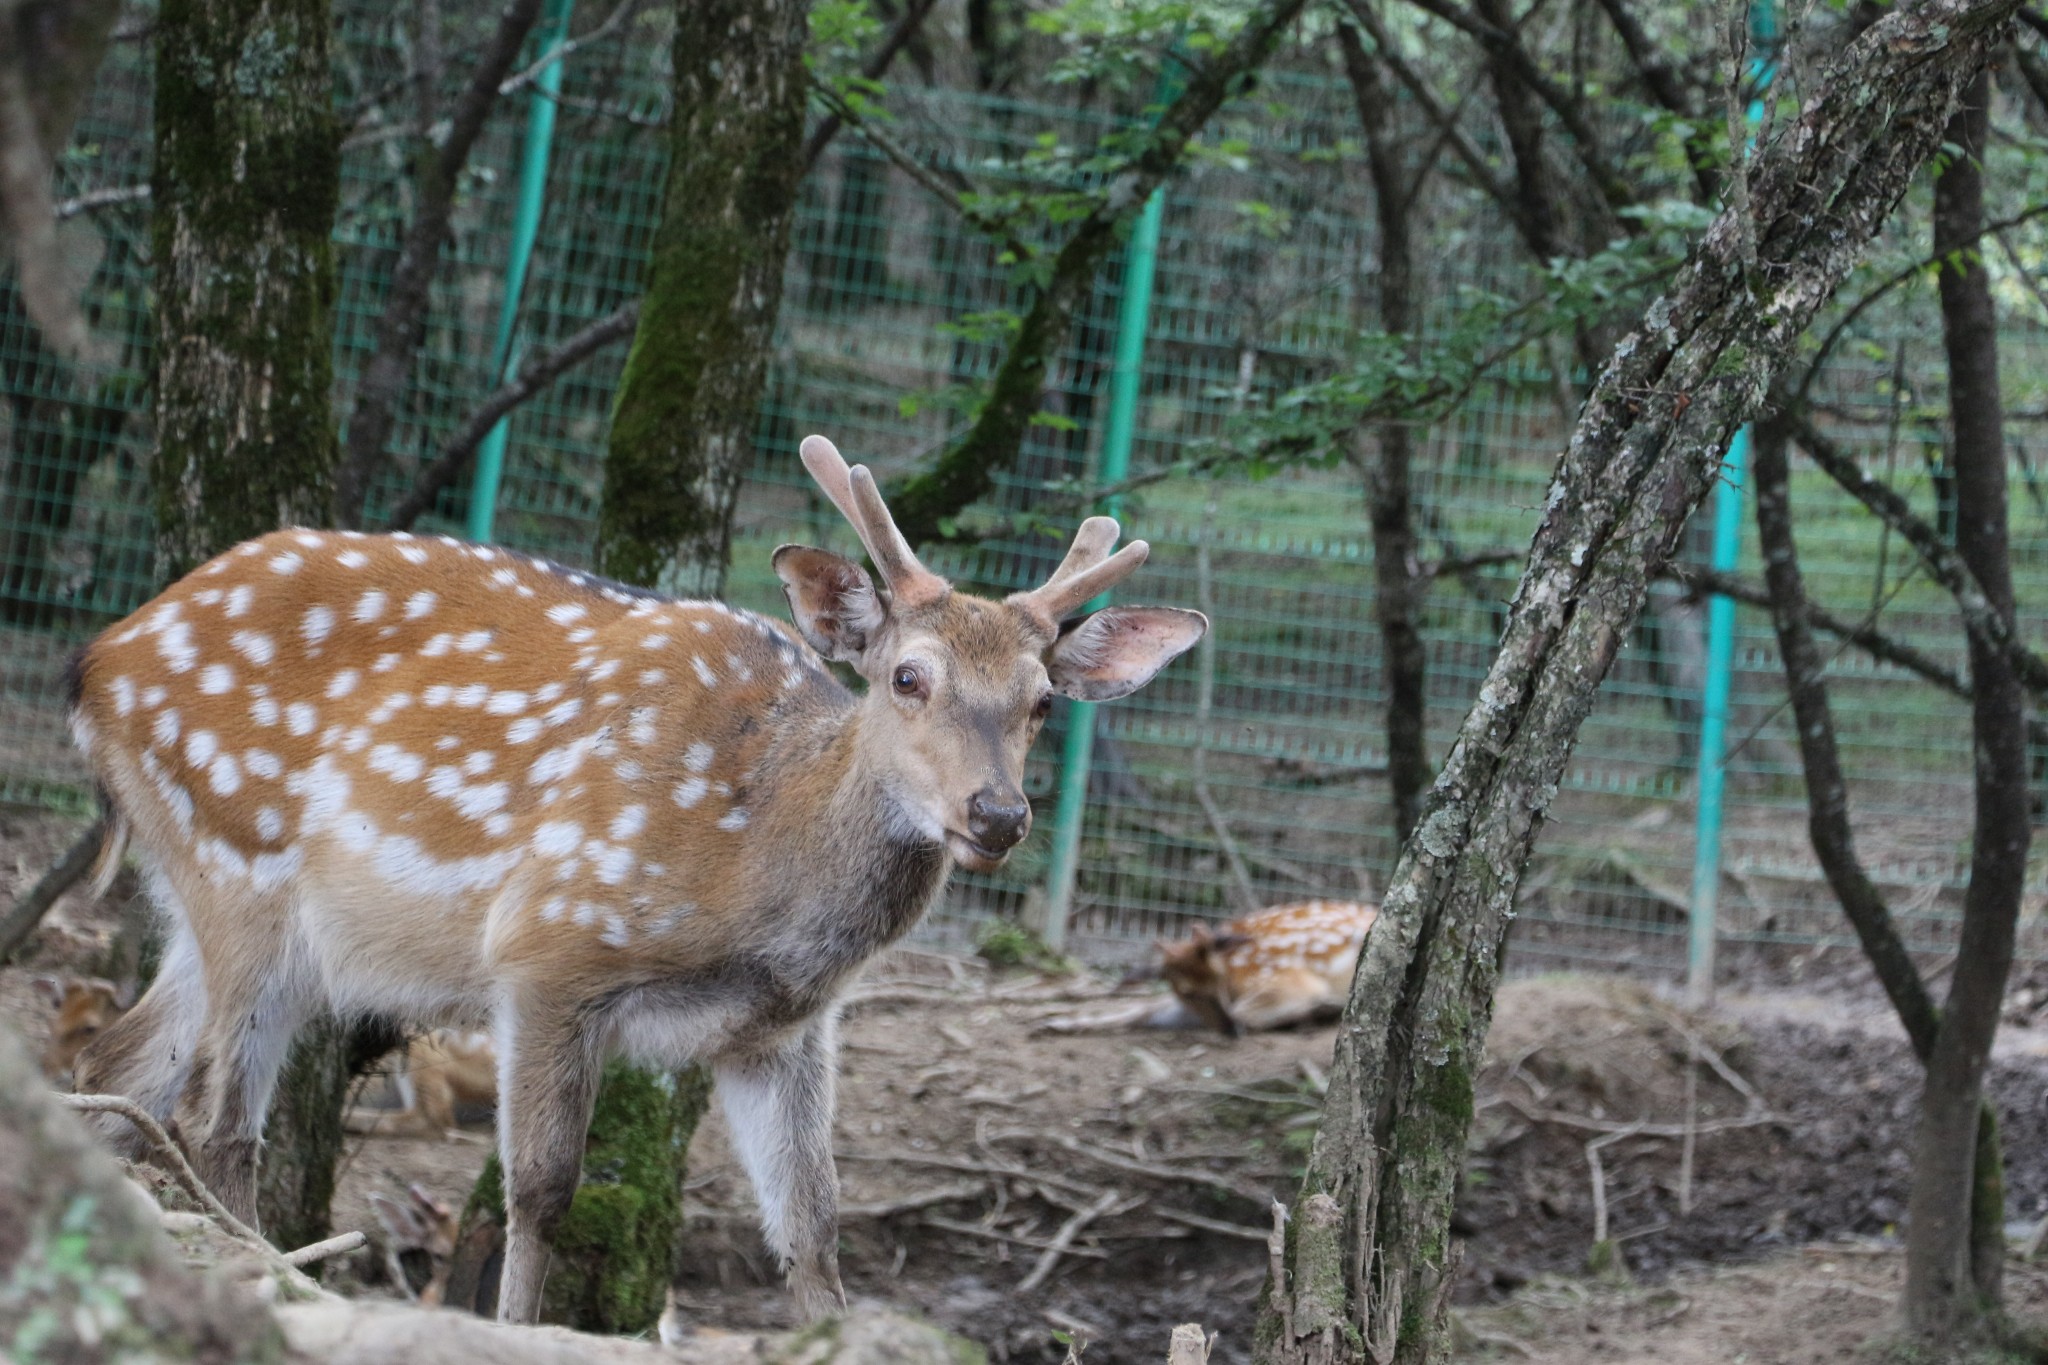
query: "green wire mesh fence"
1269, 749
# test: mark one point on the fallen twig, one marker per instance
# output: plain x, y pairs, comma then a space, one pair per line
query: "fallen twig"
290, 1278
1656, 1130
934, 1220
1156, 1170
1600, 1178
1196, 1220
1063, 1240
338, 1245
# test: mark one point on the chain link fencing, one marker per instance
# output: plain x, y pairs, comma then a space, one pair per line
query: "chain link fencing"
1271, 743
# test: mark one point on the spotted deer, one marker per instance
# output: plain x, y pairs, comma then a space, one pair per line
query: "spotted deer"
448, 783
437, 1071
84, 1006
419, 1243
1279, 966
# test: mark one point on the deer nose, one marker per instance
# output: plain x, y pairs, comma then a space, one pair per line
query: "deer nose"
998, 820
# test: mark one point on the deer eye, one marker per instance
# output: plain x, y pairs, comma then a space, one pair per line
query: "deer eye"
1043, 707
907, 682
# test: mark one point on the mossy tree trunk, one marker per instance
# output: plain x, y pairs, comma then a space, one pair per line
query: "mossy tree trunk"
1368, 1261
244, 194
683, 428
615, 1251
682, 437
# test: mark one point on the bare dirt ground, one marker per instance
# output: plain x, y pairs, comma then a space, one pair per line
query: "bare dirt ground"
971, 1141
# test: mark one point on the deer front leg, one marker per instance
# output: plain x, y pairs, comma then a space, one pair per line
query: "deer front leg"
547, 1081
779, 1106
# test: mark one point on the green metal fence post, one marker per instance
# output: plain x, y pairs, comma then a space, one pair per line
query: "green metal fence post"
1077, 754
533, 185
1702, 927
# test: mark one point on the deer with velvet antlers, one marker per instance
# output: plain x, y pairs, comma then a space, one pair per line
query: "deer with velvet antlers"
440, 781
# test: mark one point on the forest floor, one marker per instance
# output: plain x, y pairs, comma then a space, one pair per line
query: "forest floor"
972, 1137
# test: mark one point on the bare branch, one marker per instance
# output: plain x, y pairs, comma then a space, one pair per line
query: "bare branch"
402, 327
535, 375
874, 68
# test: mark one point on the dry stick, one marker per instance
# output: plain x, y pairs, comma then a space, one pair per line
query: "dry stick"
338, 1245
1205, 694
1600, 1178
1276, 1270
289, 1277
26, 913
933, 1220
535, 375
1217, 1225
1637, 1129
1691, 1140
562, 51
1063, 1240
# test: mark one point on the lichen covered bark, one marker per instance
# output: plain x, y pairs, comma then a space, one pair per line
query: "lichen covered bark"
682, 431
86, 1275
1646, 451
244, 195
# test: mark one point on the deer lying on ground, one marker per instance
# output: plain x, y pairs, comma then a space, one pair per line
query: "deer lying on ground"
446, 782
437, 1071
1279, 966
85, 1006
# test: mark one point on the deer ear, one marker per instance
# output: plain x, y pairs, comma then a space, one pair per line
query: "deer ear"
1223, 943
1117, 650
832, 598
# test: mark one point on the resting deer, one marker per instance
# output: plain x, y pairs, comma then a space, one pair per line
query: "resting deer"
442, 781
1269, 969
436, 1072
419, 1243
85, 1006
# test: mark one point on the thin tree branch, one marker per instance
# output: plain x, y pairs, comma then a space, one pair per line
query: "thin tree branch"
25, 914
402, 327
99, 199
1800, 398
1506, 46
967, 471
1980, 618
568, 47
874, 68
535, 375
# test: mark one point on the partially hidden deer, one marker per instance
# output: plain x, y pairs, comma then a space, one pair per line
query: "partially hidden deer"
84, 1007
1283, 965
419, 1243
448, 783
437, 1072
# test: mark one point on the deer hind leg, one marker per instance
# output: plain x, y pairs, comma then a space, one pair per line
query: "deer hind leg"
1282, 999
779, 1108
147, 1054
547, 1083
257, 998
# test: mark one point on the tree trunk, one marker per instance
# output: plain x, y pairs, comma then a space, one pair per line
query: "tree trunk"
245, 189
683, 431
1954, 1279
1398, 584
1368, 1260
244, 196
86, 1274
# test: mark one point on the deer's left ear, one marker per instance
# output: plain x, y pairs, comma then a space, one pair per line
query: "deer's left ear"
832, 598
1117, 650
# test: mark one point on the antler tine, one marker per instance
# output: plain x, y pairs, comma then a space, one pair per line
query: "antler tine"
910, 582
853, 492
828, 467
1063, 595
1091, 546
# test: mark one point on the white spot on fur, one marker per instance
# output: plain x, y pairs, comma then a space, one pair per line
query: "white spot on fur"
263, 763
524, 730
400, 765
506, 703
226, 775
412, 554
264, 711
698, 756
419, 604
351, 559
704, 674
215, 679
255, 646
370, 606
166, 727
343, 683
200, 747
270, 824
563, 613
300, 718
317, 625
286, 563
628, 823
736, 818
688, 794
557, 839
